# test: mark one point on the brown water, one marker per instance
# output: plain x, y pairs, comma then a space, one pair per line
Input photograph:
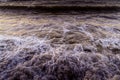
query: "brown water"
59, 47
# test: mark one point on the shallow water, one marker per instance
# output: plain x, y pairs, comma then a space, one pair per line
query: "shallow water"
59, 47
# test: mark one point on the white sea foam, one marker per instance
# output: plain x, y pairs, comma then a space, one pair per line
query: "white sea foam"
11, 46
109, 42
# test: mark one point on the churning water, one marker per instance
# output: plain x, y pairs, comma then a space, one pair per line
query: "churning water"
59, 47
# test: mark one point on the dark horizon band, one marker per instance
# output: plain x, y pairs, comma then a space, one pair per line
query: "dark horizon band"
61, 5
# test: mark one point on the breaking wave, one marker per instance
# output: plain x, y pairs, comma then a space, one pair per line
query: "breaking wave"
59, 47
34, 58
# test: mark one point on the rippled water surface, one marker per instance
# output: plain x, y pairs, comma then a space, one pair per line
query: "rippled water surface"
59, 47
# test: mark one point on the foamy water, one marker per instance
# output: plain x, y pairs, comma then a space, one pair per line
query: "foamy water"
29, 53
59, 47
